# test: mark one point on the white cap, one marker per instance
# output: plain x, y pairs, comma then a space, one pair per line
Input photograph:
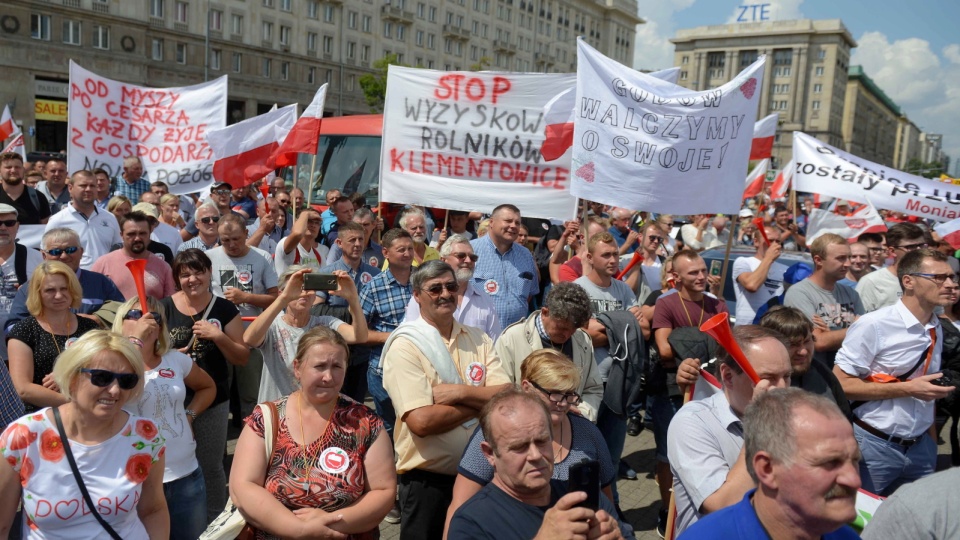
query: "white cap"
7, 209
745, 213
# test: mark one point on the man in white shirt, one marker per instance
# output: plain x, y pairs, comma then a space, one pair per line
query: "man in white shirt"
882, 288
98, 229
888, 366
759, 278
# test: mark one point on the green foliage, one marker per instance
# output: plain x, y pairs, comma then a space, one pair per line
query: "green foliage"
482, 64
374, 85
926, 170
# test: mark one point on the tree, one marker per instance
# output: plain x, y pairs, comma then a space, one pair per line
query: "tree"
482, 64
374, 85
926, 170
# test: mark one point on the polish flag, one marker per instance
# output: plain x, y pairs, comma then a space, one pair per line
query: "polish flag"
949, 232
246, 151
7, 127
558, 118
706, 386
17, 146
755, 179
304, 136
865, 220
763, 133
782, 182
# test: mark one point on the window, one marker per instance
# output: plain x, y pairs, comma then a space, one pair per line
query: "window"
156, 8
268, 3
285, 71
815, 105
430, 39
747, 58
216, 20
181, 53
716, 59
156, 49
285, 35
418, 38
352, 20
267, 31
400, 57
236, 24
365, 53
327, 44
683, 75
313, 9
817, 88
387, 29
432, 14
312, 75
265, 65
684, 59
351, 49
782, 57
180, 15
284, 5
311, 41
101, 37
818, 71
821, 54
351, 83
40, 27
71, 32
421, 9
215, 56
237, 62
366, 24
401, 32
328, 13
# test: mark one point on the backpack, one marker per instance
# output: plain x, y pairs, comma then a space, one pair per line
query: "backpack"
20, 263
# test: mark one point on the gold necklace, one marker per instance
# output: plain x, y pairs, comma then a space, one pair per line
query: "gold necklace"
703, 302
53, 336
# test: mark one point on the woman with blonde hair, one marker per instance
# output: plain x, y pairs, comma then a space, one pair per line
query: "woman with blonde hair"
34, 343
170, 211
331, 472
119, 206
119, 457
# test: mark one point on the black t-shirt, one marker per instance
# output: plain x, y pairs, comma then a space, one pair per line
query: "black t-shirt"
27, 213
204, 352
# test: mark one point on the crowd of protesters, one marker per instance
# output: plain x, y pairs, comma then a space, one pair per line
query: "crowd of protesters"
501, 356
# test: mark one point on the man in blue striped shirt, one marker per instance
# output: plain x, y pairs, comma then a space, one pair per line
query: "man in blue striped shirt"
506, 270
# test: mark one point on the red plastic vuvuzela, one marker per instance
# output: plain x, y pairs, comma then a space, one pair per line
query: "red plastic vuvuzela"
637, 259
758, 223
138, 267
265, 190
718, 327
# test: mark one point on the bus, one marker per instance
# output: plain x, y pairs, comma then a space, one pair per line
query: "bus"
348, 158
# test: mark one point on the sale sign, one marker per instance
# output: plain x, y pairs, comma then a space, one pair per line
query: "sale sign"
471, 141
165, 127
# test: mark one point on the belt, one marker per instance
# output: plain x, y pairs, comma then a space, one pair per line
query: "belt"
906, 443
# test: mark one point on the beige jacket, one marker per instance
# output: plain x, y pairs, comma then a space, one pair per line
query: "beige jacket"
521, 338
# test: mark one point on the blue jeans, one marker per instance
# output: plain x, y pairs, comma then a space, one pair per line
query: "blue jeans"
886, 466
381, 400
187, 504
614, 430
662, 409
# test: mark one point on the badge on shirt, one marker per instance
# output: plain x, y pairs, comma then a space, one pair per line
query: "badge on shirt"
69, 342
374, 262
365, 278
165, 373
217, 323
244, 277
334, 460
491, 286
476, 373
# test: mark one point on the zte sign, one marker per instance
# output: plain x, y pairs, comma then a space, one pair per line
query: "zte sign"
753, 13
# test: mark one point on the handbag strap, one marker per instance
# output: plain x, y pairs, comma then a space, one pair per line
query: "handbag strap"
76, 475
271, 424
193, 337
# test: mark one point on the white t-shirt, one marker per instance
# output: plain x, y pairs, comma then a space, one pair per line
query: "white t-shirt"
113, 473
652, 272
306, 257
9, 287
163, 402
168, 236
878, 289
749, 302
97, 235
279, 349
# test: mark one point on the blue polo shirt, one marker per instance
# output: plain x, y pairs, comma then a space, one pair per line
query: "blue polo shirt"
510, 278
621, 239
741, 521
97, 290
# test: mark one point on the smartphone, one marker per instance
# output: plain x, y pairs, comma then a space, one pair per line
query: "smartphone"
585, 476
716, 266
319, 282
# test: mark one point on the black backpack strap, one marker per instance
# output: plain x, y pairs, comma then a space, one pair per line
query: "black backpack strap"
20, 263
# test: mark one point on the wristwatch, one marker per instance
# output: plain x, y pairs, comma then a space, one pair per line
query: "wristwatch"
191, 414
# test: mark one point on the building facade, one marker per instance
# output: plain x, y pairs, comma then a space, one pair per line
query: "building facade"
281, 51
908, 143
870, 120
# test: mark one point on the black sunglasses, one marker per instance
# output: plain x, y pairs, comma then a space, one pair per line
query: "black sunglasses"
437, 288
9, 223
102, 378
207, 220
56, 252
136, 315
461, 256
221, 192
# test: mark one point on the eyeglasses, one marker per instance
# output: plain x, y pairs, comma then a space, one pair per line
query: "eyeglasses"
911, 247
557, 398
939, 279
221, 192
9, 223
437, 288
461, 256
875, 249
283, 202
56, 252
102, 378
208, 220
136, 315
656, 239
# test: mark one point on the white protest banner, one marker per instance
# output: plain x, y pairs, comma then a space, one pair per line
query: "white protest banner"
166, 127
471, 141
645, 144
823, 169
865, 220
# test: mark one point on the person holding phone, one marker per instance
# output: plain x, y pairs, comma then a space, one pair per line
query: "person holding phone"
758, 278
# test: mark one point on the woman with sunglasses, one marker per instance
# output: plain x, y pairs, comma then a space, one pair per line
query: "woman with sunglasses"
278, 329
119, 456
209, 330
552, 376
167, 376
34, 343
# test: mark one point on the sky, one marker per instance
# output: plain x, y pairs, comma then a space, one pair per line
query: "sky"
910, 49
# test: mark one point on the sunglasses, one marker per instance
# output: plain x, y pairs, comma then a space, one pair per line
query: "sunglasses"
102, 378
437, 288
136, 315
9, 223
461, 256
207, 220
911, 247
56, 252
939, 279
221, 192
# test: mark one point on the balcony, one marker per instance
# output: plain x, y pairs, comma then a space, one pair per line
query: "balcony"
157, 22
395, 13
101, 7
504, 46
181, 27
544, 58
455, 32
72, 3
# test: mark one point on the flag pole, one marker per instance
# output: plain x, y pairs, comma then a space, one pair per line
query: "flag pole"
672, 507
296, 179
726, 262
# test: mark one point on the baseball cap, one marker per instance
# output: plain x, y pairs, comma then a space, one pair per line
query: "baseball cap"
146, 208
8, 209
218, 185
797, 273
746, 213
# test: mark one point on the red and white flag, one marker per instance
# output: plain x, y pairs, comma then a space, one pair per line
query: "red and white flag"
706, 386
865, 220
246, 151
949, 232
17, 146
781, 184
764, 132
756, 178
558, 118
7, 126
305, 134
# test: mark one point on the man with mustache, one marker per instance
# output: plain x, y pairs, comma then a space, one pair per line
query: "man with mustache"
32, 207
158, 277
97, 228
801, 453
415, 222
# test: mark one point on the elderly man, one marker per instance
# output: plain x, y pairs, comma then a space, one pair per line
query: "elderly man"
32, 207
158, 278
414, 221
97, 228
220, 198
521, 502
17, 263
800, 451
889, 365
206, 218
505, 270
559, 325
439, 374
758, 278
705, 438
628, 240
62, 244
473, 307
131, 183
54, 185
